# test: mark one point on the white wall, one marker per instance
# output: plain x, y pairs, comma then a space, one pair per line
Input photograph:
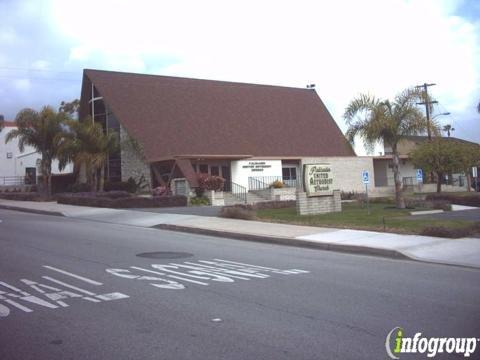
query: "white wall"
243, 169
15, 166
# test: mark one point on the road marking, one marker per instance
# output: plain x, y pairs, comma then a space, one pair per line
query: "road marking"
217, 270
87, 280
68, 285
112, 296
171, 276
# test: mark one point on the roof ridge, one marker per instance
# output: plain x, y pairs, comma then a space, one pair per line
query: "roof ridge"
221, 82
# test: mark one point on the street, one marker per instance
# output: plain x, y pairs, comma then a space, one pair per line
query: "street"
80, 289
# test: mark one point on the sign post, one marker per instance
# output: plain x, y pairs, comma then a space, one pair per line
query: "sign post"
419, 173
366, 181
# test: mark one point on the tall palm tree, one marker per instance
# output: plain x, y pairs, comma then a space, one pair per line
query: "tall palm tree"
377, 120
42, 131
86, 144
448, 129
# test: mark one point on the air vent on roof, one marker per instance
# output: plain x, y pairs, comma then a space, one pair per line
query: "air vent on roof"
311, 86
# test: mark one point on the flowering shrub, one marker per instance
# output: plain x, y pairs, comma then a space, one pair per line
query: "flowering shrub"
209, 182
277, 184
161, 191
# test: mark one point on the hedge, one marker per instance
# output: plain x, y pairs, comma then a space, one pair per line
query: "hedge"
467, 200
122, 202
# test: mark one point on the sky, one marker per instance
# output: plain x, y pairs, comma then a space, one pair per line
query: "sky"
343, 47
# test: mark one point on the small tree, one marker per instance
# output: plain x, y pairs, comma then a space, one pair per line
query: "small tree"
468, 157
86, 144
377, 120
439, 156
43, 131
448, 129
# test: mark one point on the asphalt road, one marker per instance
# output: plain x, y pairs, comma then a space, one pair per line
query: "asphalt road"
68, 290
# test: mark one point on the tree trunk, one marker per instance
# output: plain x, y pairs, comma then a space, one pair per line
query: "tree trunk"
469, 181
101, 182
439, 182
46, 166
82, 174
399, 200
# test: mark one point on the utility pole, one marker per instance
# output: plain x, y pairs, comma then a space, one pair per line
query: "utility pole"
427, 104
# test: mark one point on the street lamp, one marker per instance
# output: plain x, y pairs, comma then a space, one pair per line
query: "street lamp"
445, 113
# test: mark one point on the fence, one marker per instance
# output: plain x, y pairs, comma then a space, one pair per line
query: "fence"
15, 180
265, 182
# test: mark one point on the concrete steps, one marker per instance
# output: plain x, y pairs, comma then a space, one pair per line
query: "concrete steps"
252, 198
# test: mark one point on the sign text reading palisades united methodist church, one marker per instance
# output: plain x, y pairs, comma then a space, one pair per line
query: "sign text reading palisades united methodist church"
318, 179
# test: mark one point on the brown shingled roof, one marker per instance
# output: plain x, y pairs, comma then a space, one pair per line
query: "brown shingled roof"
173, 116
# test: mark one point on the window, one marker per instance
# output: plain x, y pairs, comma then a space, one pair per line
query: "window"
203, 169
289, 174
214, 171
9, 155
194, 167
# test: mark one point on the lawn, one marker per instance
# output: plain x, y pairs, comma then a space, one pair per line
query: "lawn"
383, 217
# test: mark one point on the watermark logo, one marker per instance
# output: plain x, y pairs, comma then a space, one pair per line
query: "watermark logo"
397, 343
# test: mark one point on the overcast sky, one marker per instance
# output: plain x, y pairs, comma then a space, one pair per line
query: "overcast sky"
344, 47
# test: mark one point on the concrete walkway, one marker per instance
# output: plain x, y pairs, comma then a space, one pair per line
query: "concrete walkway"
462, 252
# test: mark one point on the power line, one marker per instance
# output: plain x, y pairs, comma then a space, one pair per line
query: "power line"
427, 102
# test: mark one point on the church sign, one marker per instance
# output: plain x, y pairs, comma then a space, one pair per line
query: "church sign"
318, 179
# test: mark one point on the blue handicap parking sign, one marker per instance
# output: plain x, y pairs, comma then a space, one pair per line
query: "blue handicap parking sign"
419, 175
365, 177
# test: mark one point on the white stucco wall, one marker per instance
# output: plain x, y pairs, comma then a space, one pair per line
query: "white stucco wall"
19, 161
243, 169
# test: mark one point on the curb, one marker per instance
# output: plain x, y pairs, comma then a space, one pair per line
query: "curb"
352, 249
32, 211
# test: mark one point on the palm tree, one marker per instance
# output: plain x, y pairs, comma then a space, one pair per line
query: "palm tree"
42, 131
448, 128
86, 144
386, 121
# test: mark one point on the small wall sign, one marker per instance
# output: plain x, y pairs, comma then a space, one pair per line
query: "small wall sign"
318, 179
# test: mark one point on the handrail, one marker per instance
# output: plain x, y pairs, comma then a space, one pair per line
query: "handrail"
265, 182
255, 184
239, 191
12, 180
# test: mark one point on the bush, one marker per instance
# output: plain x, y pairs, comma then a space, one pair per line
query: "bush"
77, 188
441, 231
277, 184
237, 212
21, 196
129, 186
161, 191
347, 195
199, 201
210, 182
467, 200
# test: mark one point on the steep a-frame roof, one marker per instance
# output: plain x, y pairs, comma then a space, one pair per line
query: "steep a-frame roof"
173, 117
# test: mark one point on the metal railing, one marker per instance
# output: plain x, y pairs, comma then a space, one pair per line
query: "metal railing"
15, 180
265, 182
239, 191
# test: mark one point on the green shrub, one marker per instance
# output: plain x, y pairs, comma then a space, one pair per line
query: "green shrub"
347, 195
472, 199
129, 186
76, 188
199, 201
441, 231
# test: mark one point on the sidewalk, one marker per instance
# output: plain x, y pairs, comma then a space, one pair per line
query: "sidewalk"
462, 252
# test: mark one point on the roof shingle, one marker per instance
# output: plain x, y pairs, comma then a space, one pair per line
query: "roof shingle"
173, 116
